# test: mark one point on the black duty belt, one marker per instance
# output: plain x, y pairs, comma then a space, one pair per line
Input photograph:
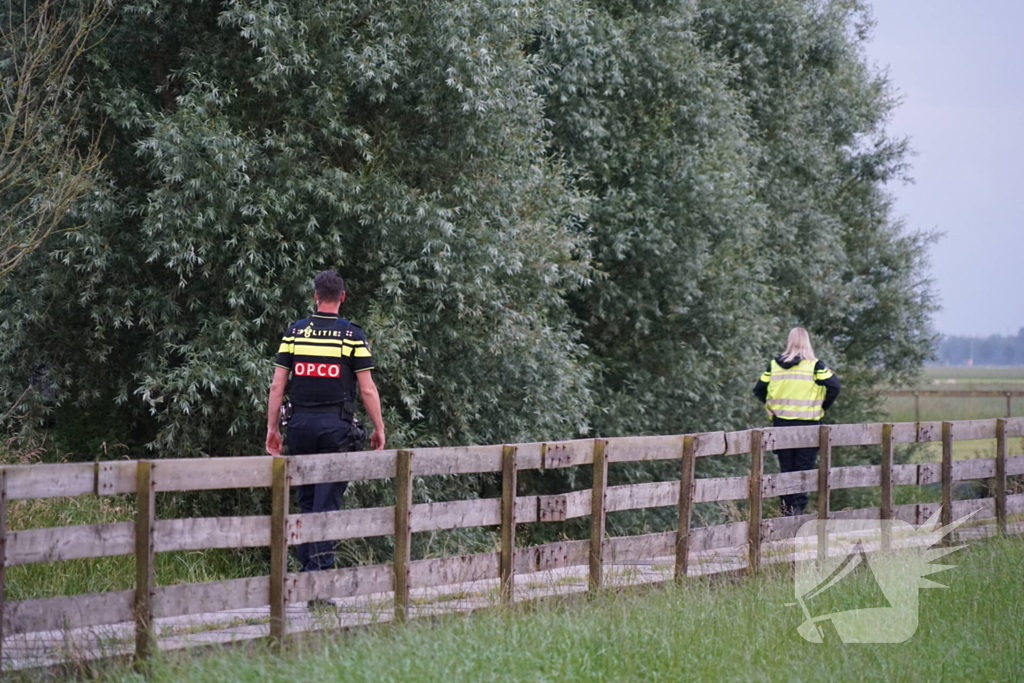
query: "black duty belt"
330, 410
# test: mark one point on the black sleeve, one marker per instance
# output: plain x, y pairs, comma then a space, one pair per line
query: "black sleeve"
761, 388
826, 378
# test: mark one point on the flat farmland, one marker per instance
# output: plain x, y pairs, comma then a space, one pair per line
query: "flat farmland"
934, 408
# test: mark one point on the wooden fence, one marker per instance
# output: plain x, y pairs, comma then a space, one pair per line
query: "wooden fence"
954, 393
148, 535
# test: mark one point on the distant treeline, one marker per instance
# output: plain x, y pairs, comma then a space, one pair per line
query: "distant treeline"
993, 350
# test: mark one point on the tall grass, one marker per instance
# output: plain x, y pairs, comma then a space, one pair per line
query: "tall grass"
97, 575
735, 631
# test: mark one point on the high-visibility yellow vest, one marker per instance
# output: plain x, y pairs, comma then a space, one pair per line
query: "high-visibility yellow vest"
793, 393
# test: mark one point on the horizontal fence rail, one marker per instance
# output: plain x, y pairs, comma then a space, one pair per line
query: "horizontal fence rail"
147, 535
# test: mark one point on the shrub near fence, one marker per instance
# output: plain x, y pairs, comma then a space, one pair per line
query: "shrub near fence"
148, 535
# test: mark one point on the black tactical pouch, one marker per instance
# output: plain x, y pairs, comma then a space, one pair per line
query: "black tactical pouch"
356, 440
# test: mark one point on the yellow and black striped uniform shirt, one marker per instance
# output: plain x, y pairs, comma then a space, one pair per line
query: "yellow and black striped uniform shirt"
323, 353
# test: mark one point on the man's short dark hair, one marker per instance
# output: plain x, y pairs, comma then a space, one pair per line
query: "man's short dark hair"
328, 285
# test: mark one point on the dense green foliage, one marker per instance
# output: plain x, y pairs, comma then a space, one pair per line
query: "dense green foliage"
555, 218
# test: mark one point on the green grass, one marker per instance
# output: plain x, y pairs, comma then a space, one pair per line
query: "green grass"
733, 631
97, 575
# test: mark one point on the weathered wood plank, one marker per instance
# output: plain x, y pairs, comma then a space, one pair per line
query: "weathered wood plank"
563, 554
976, 468
1015, 504
886, 472
115, 476
529, 456
54, 544
454, 570
324, 467
212, 596
687, 478
68, 612
721, 488
598, 502
754, 530
200, 533
559, 454
278, 547
527, 509
630, 548
785, 483
145, 571
982, 508
457, 460
825, 484
637, 448
636, 496
205, 474
856, 476
904, 432
790, 437
710, 443
1015, 465
339, 583
904, 475
707, 538
403, 532
947, 473
928, 432
1014, 426
968, 430
782, 528
562, 506
336, 526
1000, 479
857, 434
50, 481
929, 473
737, 443
506, 564
539, 558
858, 513
456, 514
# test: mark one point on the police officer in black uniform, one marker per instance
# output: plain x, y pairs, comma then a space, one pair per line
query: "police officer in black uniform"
322, 360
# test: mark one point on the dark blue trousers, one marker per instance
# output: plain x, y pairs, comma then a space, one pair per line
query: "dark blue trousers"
317, 433
795, 460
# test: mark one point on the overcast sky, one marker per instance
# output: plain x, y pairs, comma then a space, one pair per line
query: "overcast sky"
959, 65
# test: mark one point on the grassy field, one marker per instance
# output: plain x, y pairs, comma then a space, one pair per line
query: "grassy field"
734, 631
937, 378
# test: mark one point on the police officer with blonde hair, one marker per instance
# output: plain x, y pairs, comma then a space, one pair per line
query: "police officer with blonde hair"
322, 361
797, 389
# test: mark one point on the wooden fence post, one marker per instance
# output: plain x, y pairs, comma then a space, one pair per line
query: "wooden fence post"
1009, 406
145, 516
824, 488
3, 558
1001, 477
278, 548
947, 477
917, 406
509, 475
403, 533
754, 523
687, 483
597, 515
887, 502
